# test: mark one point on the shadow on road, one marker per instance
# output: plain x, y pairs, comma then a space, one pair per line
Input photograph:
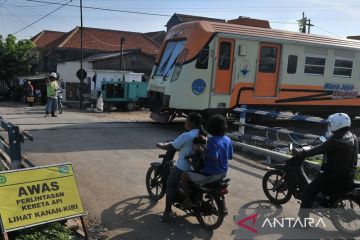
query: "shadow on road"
134, 219
71, 137
246, 171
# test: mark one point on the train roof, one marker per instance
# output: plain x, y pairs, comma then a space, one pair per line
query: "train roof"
199, 33
298, 37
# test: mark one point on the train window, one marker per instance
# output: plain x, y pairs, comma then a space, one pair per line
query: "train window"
169, 57
179, 63
343, 68
292, 64
203, 58
315, 65
224, 55
268, 56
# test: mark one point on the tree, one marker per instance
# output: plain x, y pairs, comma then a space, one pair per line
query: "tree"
16, 58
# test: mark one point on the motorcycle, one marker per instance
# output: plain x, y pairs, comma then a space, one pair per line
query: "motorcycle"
288, 179
60, 100
209, 199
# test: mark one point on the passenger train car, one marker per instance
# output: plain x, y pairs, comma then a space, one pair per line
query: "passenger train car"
214, 67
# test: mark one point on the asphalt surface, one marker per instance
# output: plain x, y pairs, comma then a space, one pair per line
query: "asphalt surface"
111, 154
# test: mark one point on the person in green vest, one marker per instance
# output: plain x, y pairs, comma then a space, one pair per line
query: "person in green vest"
52, 87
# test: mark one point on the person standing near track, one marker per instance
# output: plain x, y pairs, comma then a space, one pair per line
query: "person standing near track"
52, 88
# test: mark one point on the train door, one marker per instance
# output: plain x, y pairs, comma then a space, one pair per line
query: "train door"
224, 66
267, 74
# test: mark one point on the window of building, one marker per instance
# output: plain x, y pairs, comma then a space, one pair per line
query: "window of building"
343, 68
224, 55
292, 64
268, 56
315, 65
203, 58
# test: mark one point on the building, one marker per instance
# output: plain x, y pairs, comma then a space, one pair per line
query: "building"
103, 67
183, 18
246, 21
354, 37
132, 60
58, 47
158, 36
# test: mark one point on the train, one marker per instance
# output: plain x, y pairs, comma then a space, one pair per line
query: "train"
212, 67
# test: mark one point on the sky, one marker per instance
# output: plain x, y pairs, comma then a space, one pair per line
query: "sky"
338, 18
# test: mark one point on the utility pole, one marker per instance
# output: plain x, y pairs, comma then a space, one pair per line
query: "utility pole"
309, 25
122, 39
82, 56
303, 23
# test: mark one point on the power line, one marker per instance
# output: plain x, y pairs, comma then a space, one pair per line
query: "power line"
32, 6
2, 4
57, 19
326, 31
63, 5
103, 9
19, 19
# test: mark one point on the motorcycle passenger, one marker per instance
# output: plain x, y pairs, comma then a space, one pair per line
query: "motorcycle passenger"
340, 163
183, 144
218, 151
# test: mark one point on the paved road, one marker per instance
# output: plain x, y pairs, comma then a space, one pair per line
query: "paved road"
111, 159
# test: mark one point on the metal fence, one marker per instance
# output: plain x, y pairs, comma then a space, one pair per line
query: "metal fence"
10, 145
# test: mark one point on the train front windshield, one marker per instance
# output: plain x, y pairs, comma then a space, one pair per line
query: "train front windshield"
169, 57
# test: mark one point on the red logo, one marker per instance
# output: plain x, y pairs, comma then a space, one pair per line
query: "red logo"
252, 217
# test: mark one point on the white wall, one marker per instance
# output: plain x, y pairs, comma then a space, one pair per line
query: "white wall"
67, 71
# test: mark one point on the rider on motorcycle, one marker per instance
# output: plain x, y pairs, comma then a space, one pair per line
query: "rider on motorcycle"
218, 151
339, 164
183, 144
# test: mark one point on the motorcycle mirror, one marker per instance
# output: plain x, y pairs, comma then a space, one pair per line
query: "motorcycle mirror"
291, 147
322, 139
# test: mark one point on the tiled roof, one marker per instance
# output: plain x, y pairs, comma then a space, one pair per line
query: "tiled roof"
46, 37
109, 40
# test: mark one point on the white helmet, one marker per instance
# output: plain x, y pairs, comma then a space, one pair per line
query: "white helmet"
338, 120
53, 74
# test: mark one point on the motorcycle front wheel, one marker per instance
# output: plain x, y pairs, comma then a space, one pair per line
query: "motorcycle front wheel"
60, 107
276, 187
345, 216
211, 211
154, 183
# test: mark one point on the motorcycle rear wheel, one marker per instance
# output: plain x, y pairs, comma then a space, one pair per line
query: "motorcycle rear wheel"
280, 189
154, 183
211, 204
345, 215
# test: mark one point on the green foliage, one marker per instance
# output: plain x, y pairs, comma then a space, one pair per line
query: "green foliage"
357, 175
52, 231
16, 57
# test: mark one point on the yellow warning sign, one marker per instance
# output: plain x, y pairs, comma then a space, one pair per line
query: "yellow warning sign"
34, 196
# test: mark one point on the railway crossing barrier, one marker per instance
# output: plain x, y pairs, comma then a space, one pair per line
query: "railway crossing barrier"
10, 145
274, 146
